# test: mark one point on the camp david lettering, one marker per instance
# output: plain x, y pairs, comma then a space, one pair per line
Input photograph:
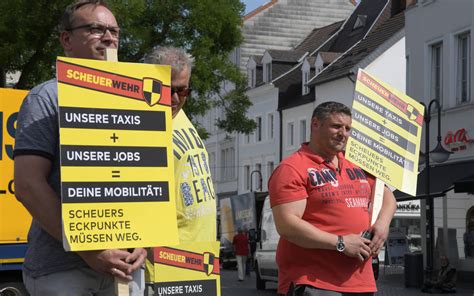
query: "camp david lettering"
322, 177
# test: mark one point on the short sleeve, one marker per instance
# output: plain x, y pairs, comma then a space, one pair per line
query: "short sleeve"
37, 127
286, 185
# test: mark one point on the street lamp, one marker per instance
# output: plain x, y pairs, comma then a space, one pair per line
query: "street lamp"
438, 155
251, 179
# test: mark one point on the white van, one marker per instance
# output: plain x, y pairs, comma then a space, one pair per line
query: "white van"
265, 261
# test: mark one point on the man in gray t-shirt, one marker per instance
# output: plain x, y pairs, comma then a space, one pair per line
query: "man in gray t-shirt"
88, 27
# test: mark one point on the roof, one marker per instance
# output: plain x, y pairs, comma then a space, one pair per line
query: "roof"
311, 61
278, 68
331, 45
329, 57
348, 36
289, 85
317, 37
290, 89
349, 59
257, 59
285, 55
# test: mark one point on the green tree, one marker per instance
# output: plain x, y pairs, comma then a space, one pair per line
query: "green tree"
208, 29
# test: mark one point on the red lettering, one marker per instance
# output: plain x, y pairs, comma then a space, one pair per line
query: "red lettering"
449, 138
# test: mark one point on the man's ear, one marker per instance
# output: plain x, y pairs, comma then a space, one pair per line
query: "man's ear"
65, 39
315, 122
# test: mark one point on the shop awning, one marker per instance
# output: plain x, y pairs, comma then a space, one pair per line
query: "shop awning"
465, 184
443, 178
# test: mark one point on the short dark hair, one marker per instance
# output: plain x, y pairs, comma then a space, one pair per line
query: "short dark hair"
323, 110
68, 16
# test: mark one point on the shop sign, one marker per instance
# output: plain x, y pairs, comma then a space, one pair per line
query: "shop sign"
457, 141
411, 207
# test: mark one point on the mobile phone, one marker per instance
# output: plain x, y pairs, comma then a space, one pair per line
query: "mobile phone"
367, 234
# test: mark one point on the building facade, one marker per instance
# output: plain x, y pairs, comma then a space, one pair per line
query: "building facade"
439, 66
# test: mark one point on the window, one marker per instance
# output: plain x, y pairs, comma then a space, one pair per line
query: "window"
251, 77
212, 164
247, 177
258, 176
228, 164
360, 22
305, 82
268, 72
270, 126
436, 72
258, 130
291, 134
303, 131
246, 138
463, 68
270, 168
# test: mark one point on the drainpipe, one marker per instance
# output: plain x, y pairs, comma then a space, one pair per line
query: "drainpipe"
281, 134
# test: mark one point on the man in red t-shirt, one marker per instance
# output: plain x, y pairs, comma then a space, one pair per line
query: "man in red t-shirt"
241, 250
320, 203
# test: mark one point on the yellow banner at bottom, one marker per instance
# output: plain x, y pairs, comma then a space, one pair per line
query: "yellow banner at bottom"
187, 269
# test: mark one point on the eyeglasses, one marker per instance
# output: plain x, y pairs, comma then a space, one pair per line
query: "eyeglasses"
98, 30
181, 91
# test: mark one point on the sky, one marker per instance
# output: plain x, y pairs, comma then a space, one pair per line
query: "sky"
252, 4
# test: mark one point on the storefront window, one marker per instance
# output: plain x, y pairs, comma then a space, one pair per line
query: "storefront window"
469, 234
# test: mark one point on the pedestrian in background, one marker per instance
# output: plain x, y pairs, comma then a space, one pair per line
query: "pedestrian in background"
241, 250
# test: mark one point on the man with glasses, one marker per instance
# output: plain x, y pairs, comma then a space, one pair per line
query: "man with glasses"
194, 190
88, 28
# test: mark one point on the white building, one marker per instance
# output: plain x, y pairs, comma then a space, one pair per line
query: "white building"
439, 65
231, 173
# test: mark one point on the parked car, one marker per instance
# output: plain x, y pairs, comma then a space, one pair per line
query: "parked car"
265, 267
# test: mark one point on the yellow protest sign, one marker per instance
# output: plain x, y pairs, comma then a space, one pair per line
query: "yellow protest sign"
187, 269
116, 156
386, 133
14, 218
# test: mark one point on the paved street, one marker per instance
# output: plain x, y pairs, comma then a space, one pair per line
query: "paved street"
391, 283
230, 286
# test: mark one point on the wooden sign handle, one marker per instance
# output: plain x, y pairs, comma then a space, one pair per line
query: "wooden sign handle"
377, 200
121, 286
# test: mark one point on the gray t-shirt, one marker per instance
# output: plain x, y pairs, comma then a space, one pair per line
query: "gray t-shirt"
38, 134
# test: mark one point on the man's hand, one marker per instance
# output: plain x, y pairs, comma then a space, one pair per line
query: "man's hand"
380, 232
356, 246
111, 262
136, 259
381, 227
